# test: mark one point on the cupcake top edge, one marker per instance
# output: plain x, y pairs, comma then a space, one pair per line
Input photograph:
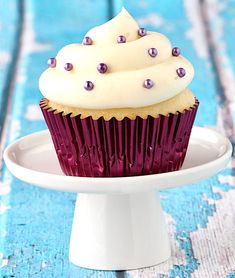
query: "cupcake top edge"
118, 65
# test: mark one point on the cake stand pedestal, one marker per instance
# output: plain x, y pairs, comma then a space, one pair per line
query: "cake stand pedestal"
118, 222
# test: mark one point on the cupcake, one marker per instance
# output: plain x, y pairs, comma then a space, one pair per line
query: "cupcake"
118, 104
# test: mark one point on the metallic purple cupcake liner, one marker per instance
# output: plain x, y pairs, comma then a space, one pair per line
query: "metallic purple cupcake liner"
100, 148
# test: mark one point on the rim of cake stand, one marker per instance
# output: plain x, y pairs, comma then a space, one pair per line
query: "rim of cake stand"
132, 184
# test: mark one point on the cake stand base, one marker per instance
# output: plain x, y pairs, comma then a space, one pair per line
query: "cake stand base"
117, 232
118, 222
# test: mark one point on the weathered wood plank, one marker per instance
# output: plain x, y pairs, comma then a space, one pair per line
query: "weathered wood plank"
36, 223
194, 213
218, 16
10, 28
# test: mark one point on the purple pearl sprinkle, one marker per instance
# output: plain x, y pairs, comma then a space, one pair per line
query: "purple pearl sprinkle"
153, 52
88, 85
142, 32
181, 72
68, 66
87, 41
51, 62
175, 51
121, 39
148, 83
102, 68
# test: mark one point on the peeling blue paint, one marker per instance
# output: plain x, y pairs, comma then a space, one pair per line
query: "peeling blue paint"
187, 205
39, 222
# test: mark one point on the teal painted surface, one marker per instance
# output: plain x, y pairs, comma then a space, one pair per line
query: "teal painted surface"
36, 227
10, 15
36, 223
187, 205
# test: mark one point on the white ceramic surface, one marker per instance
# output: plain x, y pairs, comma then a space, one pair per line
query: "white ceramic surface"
118, 232
118, 222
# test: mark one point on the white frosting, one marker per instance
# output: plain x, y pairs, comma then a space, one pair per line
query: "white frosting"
129, 65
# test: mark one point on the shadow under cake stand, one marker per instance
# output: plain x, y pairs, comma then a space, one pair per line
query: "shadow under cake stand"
118, 222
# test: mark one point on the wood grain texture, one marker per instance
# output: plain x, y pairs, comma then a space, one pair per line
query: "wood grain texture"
10, 29
35, 224
190, 208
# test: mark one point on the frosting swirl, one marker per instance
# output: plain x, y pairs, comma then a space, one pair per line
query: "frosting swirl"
119, 68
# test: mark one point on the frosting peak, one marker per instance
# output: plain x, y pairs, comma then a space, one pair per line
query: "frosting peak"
119, 65
122, 24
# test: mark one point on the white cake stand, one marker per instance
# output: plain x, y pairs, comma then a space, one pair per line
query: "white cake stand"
118, 222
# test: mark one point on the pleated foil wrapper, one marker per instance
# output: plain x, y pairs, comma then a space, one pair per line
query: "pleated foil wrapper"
112, 148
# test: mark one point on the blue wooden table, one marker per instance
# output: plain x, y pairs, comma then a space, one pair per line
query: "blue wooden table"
200, 217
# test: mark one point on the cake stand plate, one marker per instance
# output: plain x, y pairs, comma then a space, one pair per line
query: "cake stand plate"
118, 222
